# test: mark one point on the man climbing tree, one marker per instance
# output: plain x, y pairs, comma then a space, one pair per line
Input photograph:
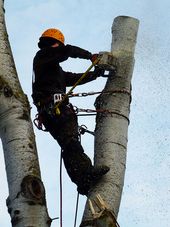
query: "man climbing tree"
49, 89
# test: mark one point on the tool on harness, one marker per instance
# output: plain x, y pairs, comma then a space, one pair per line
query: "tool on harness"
82, 129
41, 105
39, 123
57, 98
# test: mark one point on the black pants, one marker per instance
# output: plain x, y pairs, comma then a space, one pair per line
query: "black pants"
64, 128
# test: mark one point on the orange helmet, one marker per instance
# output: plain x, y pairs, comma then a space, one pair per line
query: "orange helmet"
54, 33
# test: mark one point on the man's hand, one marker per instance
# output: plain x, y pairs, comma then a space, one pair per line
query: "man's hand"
99, 71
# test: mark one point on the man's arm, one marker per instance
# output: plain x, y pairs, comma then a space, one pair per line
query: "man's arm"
72, 78
77, 52
62, 53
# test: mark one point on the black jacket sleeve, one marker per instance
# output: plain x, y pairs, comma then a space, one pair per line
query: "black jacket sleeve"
72, 78
77, 52
61, 53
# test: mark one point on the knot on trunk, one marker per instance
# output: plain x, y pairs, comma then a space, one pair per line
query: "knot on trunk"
33, 188
8, 91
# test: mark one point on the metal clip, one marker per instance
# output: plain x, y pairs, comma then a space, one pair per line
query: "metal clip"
57, 98
82, 129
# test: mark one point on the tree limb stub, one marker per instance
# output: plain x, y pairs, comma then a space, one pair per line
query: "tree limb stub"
33, 188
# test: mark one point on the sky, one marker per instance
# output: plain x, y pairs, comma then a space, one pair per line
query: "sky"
146, 194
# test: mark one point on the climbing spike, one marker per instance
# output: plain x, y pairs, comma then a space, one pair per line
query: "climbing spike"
91, 207
100, 202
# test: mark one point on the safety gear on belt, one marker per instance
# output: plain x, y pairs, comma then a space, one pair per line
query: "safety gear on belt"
54, 99
58, 97
55, 34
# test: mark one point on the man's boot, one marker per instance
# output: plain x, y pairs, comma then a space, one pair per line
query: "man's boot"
80, 169
90, 178
76, 161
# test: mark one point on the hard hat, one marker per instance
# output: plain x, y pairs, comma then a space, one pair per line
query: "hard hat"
54, 33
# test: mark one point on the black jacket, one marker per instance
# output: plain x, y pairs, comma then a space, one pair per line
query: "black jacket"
48, 76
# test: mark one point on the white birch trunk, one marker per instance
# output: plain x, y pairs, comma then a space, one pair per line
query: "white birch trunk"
26, 202
112, 129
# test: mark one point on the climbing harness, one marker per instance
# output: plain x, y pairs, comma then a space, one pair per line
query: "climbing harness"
89, 112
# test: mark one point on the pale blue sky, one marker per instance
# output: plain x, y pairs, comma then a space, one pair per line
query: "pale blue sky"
146, 195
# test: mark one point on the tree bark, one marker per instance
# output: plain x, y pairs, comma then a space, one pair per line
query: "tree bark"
26, 202
112, 126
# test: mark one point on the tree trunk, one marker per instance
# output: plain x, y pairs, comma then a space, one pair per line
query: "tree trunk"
112, 126
26, 202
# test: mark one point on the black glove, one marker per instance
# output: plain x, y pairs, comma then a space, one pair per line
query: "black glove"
98, 71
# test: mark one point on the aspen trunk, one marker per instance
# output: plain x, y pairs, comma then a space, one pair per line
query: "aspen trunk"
26, 202
112, 128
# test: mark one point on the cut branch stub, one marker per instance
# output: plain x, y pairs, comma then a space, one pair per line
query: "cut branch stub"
33, 188
8, 91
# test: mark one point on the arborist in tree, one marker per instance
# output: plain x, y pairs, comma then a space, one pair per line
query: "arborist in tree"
49, 87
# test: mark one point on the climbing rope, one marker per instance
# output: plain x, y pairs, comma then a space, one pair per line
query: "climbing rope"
82, 129
77, 201
76, 212
61, 192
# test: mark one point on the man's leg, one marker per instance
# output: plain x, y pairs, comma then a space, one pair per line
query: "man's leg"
78, 165
64, 128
